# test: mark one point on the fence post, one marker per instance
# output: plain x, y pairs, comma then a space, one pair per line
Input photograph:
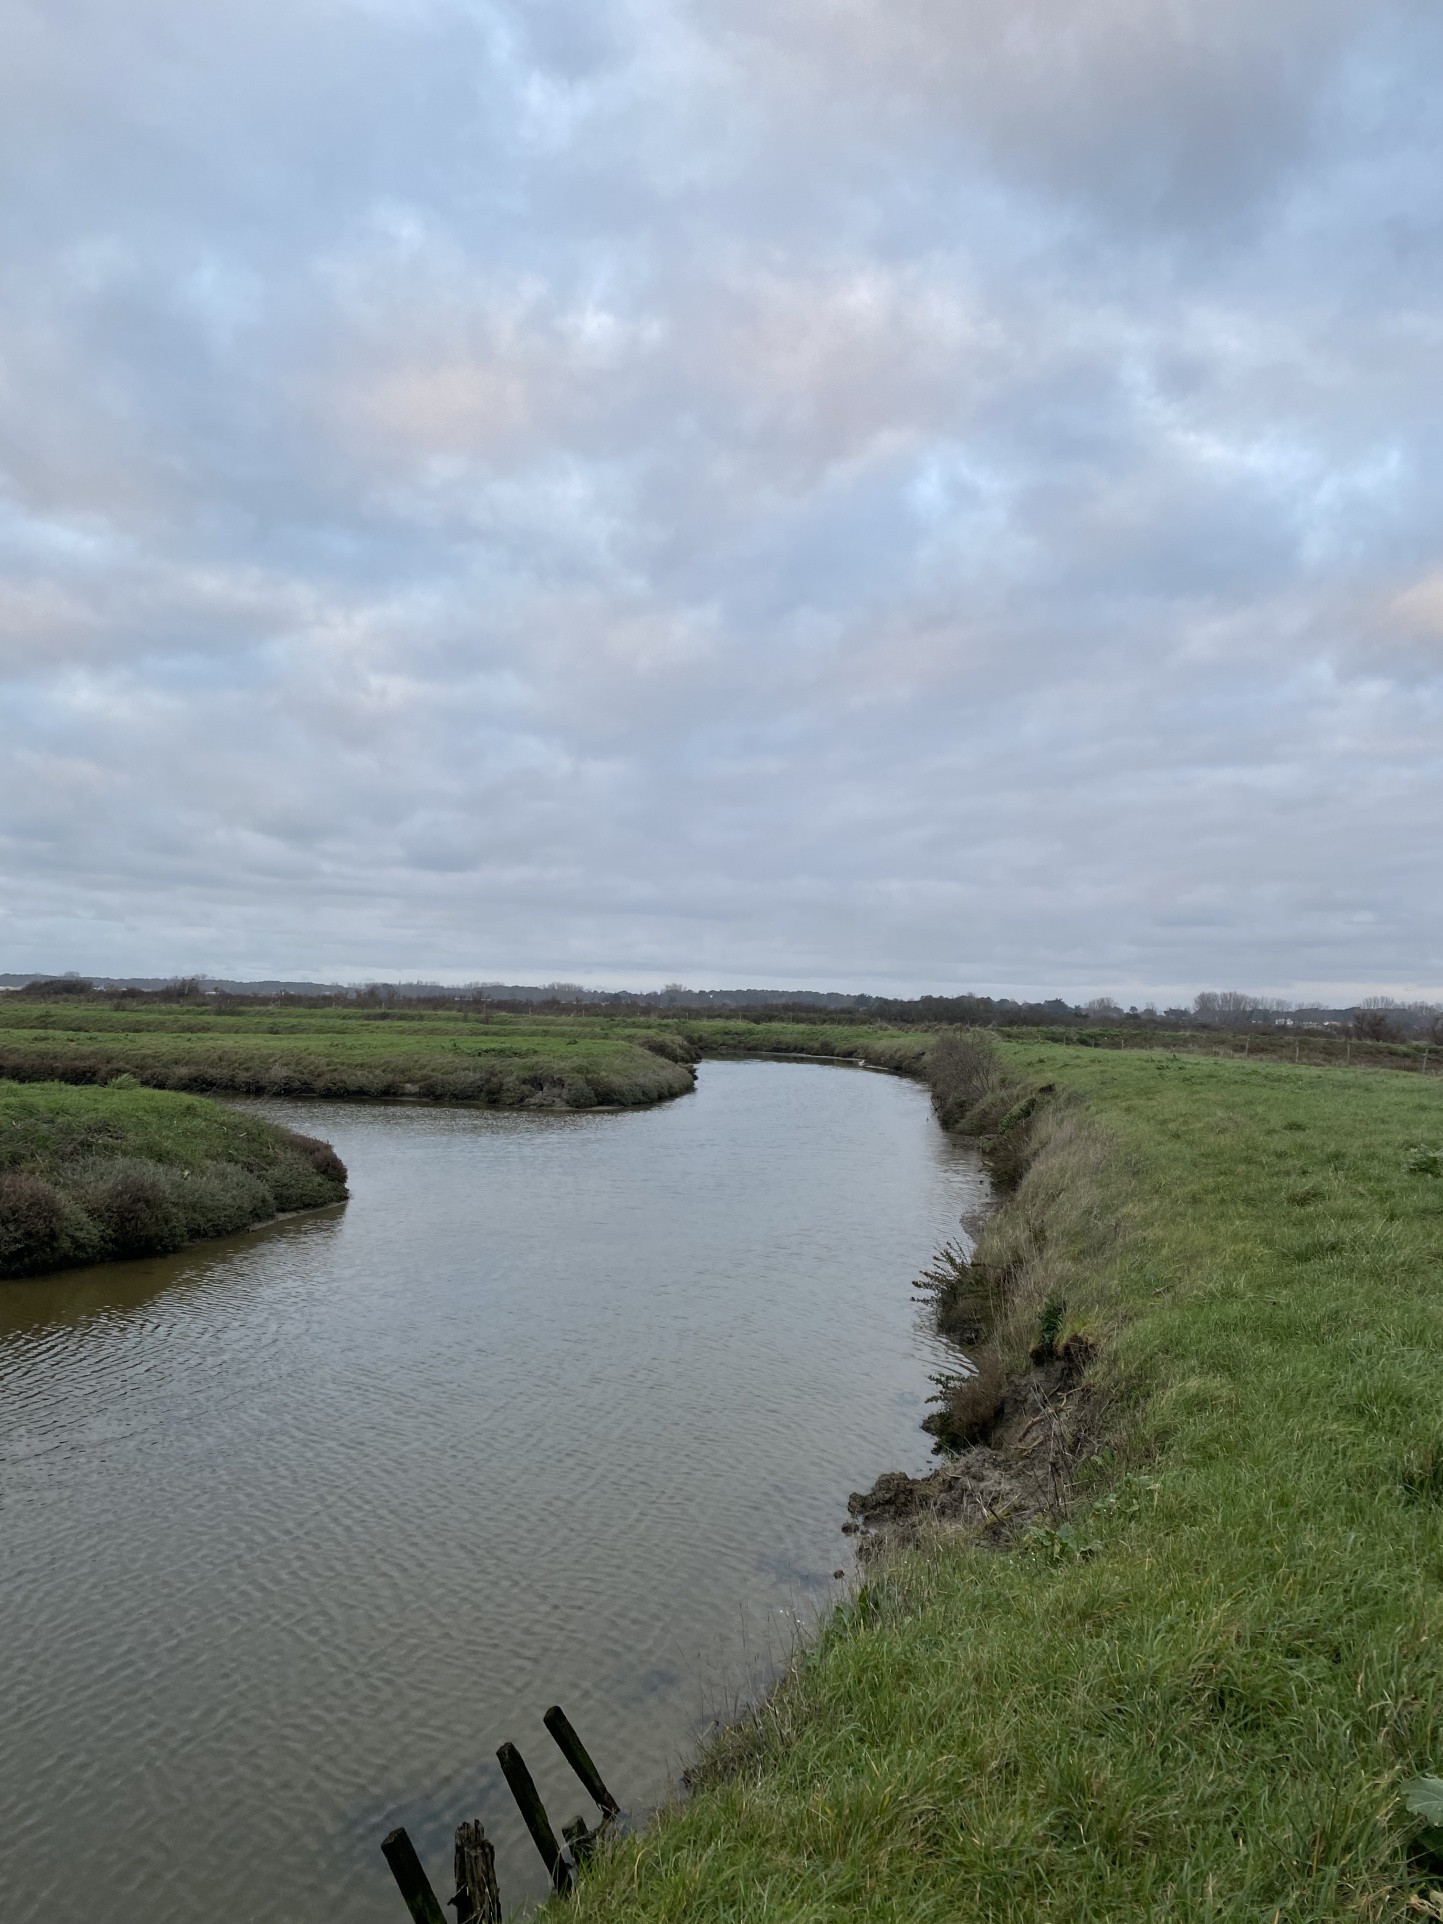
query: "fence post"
415, 1886
478, 1897
528, 1799
579, 1758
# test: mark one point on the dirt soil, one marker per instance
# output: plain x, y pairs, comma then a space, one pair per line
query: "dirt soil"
1020, 1474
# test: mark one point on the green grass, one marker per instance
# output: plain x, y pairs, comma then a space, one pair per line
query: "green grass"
90, 1175
904, 1050
1202, 1700
511, 1061
504, 1060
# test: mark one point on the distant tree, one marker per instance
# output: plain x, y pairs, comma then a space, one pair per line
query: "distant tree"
1230, 1008
183, 989
1373, 1024
48, 987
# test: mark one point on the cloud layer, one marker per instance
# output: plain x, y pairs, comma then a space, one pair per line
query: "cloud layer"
919, 496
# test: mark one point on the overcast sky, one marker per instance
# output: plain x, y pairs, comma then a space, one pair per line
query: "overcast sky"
893, 494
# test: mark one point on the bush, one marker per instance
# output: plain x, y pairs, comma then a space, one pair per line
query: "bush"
962, 1066
221, 1198
306, 1174
968, 1403
56, 985
32, 1224
671, 1048
321, 1158
133, 1202
1373, 1025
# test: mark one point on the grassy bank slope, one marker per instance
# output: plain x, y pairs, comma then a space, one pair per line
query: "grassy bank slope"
88, 1175
511, 1061
904, 1050
1200, 1699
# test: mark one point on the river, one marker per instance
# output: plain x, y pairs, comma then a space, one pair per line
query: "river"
297, 1527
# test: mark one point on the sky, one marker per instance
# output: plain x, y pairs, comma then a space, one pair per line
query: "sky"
876, 494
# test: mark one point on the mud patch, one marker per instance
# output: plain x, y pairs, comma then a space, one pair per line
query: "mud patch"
1046, 1426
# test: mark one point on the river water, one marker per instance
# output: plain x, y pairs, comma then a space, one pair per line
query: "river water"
296, 1528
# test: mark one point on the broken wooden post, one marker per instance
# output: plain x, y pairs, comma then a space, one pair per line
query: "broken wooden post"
581, 1840
575, 1753
528, 1800
415, 1886
478, 1896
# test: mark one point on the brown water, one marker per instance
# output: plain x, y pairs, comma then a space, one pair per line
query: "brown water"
296, 1528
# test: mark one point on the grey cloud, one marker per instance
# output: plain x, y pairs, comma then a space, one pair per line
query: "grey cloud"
917, 496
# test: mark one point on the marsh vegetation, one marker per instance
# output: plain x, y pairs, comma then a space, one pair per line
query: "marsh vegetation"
93, 1175
200, 1046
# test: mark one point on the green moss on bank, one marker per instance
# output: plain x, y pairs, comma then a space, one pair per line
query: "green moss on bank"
1201, 1699
92, 1175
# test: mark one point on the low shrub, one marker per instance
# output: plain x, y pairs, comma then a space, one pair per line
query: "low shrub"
962, 1066
967, 1404
32, 1224
296, 1183
134, 1204
320, 1156
221, 1198
671, 1048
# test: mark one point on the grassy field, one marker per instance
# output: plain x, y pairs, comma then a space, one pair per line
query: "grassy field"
904, 1050
1203, 1696
89, 1175
505, 1060
500, 1059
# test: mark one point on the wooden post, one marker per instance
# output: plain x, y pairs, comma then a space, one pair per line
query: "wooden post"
528, 1800
577, 1755
478, 1897
415, 1886
581, 1840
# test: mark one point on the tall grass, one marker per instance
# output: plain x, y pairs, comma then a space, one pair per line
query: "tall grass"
1201, 1697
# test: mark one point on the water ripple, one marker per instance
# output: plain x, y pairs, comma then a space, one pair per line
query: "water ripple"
295, 1529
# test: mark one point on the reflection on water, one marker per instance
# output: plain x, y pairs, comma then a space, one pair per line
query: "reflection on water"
296, 1528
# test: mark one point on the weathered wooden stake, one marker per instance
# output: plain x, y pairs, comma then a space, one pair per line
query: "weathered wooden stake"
528, 1799
576, 1754
415, 1886
581, 1840
478, 1896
